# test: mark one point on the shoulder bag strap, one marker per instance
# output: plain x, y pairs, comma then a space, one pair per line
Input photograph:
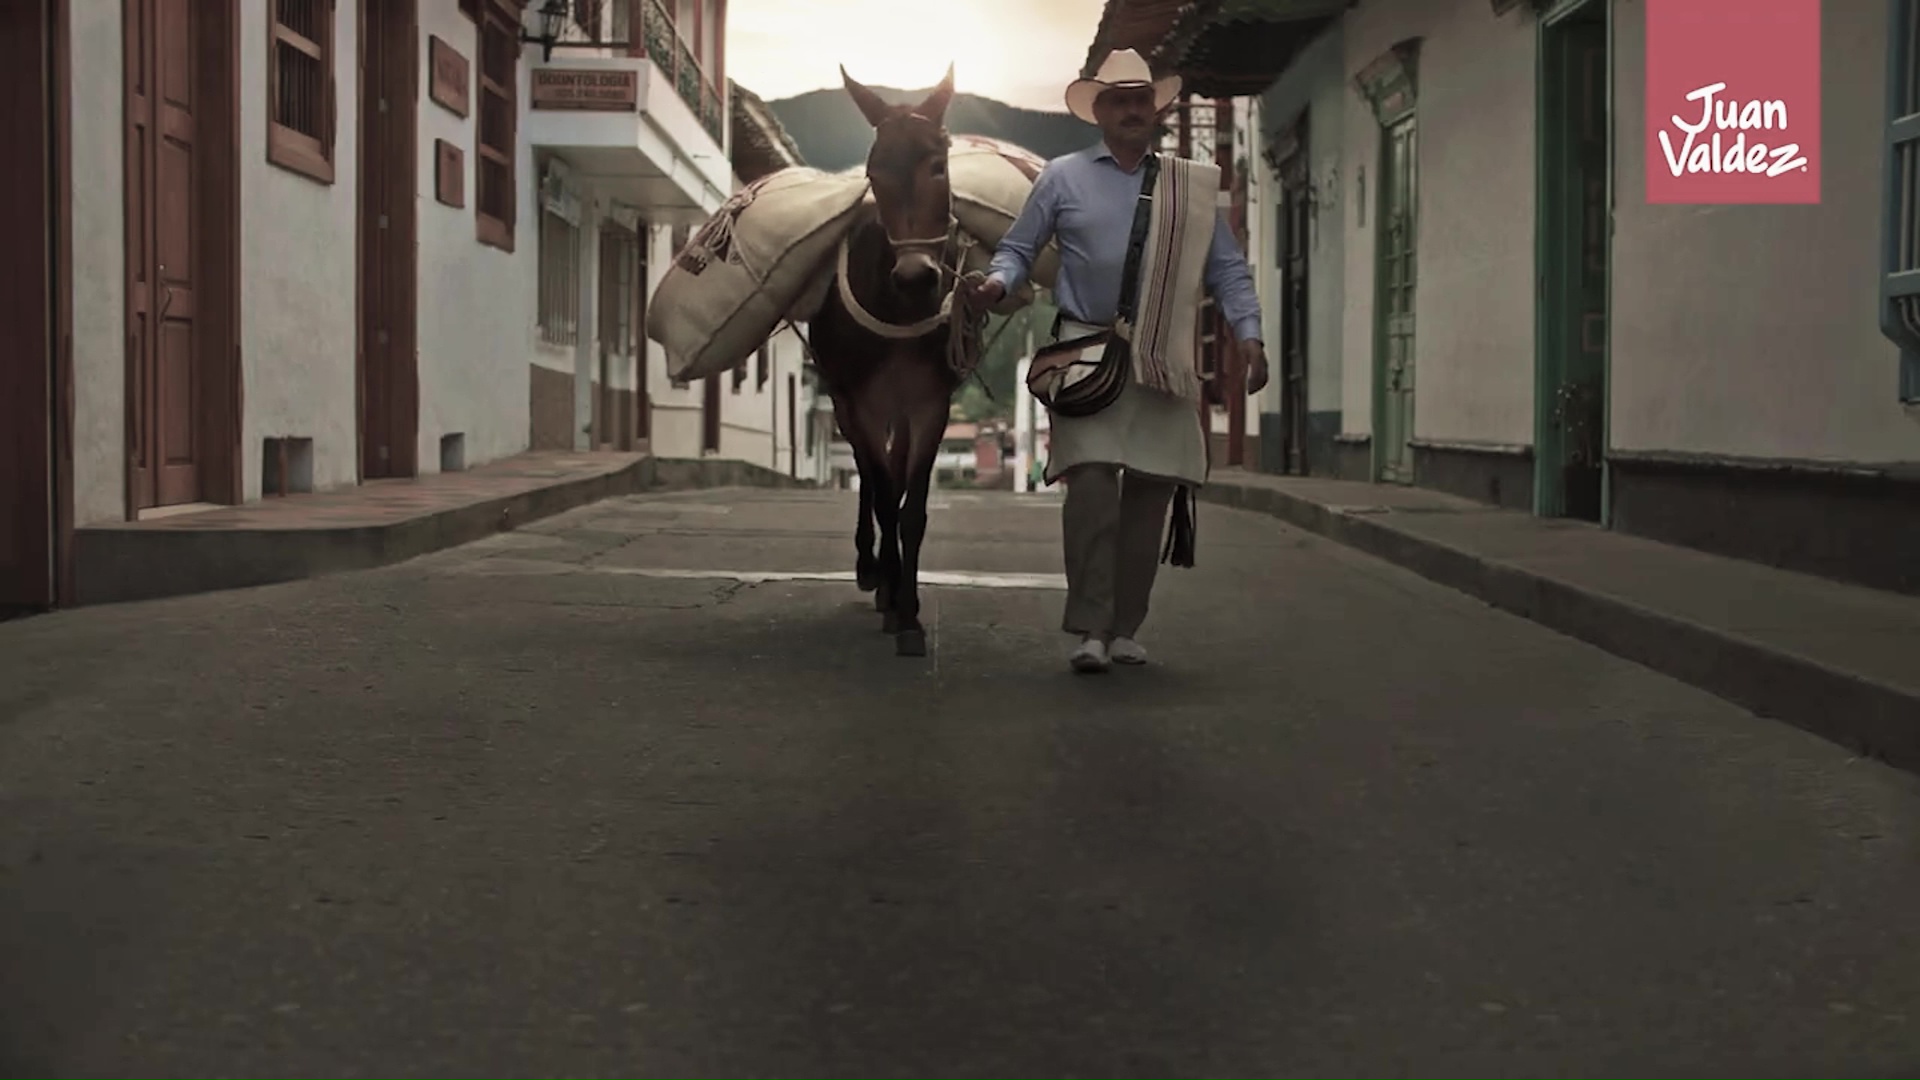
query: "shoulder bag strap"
1137, 242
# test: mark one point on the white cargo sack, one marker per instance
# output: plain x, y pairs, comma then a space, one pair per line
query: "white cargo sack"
749, 266
990, 180
978, 258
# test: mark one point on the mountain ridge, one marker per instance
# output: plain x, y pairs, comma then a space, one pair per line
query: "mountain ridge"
832, 135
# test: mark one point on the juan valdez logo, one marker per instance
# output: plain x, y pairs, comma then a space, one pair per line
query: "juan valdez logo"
1733, 101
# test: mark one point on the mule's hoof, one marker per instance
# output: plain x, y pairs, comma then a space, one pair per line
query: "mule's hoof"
889, 622
868, 580
881, 601
910, 643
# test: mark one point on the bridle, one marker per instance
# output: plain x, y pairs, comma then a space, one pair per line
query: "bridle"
955, 241
933, 246
964, 327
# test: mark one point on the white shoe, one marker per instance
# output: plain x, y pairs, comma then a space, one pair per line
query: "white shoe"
1125, 650
1091, 657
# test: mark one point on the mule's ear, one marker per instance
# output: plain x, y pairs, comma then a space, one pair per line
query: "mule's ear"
871, 107
935, 107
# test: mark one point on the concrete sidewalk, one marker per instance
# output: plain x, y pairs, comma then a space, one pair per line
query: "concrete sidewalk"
373, 524
1839, 660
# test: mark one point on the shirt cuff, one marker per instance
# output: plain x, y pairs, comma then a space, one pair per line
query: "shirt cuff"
1248, 330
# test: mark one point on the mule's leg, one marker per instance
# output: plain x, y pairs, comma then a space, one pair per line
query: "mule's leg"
888, 510
913, 532
866, 569
925, 429
872, 417
886, 507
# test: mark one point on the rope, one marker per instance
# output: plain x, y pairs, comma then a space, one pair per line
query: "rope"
963, 326
719, 238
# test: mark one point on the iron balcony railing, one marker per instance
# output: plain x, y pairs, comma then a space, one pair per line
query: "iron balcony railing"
611, 25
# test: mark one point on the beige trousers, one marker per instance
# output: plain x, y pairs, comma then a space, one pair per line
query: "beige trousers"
1112, 523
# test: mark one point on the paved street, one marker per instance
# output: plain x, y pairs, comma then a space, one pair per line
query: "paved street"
626, 792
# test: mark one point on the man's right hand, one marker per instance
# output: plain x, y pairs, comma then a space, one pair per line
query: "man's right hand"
983, 294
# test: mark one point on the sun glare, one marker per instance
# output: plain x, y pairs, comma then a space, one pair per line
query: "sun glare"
909, 43
897, 43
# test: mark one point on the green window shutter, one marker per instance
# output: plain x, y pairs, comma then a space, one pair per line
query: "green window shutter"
1900, 209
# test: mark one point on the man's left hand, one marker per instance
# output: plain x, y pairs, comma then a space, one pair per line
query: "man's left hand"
1253, 363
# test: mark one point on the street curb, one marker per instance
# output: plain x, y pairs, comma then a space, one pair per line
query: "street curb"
116, 565
1867, 717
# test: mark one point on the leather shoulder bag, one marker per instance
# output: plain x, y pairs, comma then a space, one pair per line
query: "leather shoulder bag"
1083, 375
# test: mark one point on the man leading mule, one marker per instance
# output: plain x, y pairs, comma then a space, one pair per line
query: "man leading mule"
1125, 459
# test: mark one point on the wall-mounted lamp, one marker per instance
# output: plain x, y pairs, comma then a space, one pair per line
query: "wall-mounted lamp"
553, 23
553, 19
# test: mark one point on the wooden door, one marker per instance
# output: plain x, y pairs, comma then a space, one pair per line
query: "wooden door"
1293, 318
1577, 227
389, 282
642, 405
1399, 195
710, 415
35, 382
606, 342
164, 254
616, 333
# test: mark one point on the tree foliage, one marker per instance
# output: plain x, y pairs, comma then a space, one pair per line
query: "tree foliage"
1006, 340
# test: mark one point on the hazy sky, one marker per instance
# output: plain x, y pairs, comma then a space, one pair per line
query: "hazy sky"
1022, 52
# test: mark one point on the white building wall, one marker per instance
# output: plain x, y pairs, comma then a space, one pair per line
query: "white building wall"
789, 362
676, 410
298, 327
1244, 156
1753, 330
580, 363
554, 358
1779, 357
298, 333
621, 370
476, 302
667, 130
1317, 83
753, 419
753, 422
99, 264
1474, 303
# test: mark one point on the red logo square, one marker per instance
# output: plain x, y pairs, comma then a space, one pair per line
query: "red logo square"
1733, 101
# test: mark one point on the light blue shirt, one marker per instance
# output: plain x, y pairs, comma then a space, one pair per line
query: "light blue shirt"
1085, 202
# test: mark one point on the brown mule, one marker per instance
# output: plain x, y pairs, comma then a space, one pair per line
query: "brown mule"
882, 349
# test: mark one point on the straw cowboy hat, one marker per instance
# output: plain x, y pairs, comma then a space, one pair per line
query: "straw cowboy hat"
1122, 69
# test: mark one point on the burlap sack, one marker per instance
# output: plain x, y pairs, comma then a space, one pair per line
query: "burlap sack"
991, 179
753, 262
978, 257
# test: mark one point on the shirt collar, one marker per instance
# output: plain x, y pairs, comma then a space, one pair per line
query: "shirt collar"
1101, 152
